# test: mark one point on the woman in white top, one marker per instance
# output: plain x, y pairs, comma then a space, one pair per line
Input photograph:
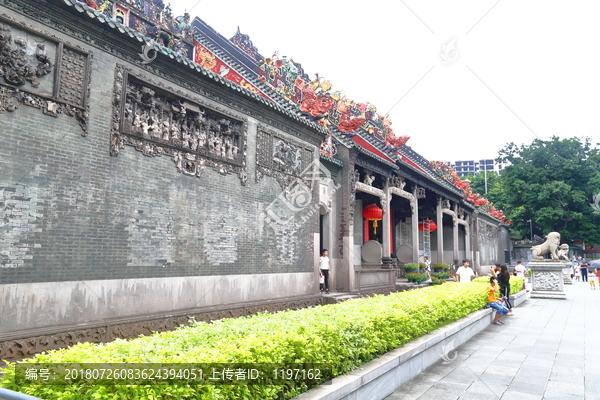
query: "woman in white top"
325, 267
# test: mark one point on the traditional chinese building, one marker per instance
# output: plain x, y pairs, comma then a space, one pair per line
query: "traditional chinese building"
153, 170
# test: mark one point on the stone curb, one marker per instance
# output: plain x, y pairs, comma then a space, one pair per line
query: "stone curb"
379, 378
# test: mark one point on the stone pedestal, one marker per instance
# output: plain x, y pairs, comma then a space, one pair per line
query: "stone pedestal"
547, 279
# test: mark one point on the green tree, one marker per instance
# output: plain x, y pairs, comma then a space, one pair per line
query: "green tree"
552, 183
489, 185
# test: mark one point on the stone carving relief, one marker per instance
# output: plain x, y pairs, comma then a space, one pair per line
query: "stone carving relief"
446, 204
18, 64
487, 231
546, 280
28, 59
369, 177
354, 178
407, 195
157, 122
34, 343
281, 158
71, 86
398, 182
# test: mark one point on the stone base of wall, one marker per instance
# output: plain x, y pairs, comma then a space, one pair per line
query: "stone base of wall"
15, 346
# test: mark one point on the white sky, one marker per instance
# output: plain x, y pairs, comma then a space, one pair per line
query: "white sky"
523, 69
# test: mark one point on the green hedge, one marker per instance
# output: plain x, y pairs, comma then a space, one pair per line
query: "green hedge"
343, 336
516, 282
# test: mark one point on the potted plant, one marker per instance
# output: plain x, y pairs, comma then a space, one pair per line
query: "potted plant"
413, 267
440, 267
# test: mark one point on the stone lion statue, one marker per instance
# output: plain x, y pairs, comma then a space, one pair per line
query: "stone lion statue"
549, 246
563, 252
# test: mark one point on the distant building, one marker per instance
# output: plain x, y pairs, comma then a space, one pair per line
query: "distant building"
471, 167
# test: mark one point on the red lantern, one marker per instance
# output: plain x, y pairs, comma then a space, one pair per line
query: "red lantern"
373, 213
423, 225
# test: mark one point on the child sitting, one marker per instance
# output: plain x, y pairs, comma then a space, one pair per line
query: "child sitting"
494, 302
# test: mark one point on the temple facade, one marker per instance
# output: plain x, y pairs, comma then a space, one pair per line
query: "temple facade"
152, 171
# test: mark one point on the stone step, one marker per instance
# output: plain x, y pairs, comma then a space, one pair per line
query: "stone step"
333, 298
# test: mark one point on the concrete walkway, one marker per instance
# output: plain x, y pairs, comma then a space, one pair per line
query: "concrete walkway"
549, 350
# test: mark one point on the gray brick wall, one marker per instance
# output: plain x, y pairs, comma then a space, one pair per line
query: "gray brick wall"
69, 211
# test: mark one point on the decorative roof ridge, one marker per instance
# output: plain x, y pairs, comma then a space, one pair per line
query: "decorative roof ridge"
94, 14
266, 89
239, 38
217, 37
376, 157
331, 159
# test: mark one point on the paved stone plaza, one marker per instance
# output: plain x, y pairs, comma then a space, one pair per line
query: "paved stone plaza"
549, 350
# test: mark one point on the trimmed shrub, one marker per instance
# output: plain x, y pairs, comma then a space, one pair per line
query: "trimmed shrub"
343, 336
436, 281
516, 282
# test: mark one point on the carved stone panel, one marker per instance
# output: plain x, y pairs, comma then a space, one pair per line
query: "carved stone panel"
41, 71
71, 86
157, 122
547, 281
281, 158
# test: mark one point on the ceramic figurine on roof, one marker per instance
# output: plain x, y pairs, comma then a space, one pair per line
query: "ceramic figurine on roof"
317, 99
182, 25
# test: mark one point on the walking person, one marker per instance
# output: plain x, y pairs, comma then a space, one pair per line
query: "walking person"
520, 269
577, 272
427, 263
504, 282
325, 267
584, 271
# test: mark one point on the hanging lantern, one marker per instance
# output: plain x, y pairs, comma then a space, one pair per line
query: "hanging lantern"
423, 225
373, 213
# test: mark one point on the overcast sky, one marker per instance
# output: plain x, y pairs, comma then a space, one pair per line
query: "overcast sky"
520, 70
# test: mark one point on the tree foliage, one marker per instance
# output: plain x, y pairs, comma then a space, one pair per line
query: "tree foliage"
553, 183
489, 185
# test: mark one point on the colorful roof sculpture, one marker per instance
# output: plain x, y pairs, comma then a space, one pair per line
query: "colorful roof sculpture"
276, 81
449, 174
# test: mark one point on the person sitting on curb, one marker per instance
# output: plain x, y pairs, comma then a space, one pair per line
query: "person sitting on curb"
494, 302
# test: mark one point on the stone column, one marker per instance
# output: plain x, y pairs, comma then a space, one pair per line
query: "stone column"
455, 235
346, 198
439, 216
468, 241
386, 223
415, 227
